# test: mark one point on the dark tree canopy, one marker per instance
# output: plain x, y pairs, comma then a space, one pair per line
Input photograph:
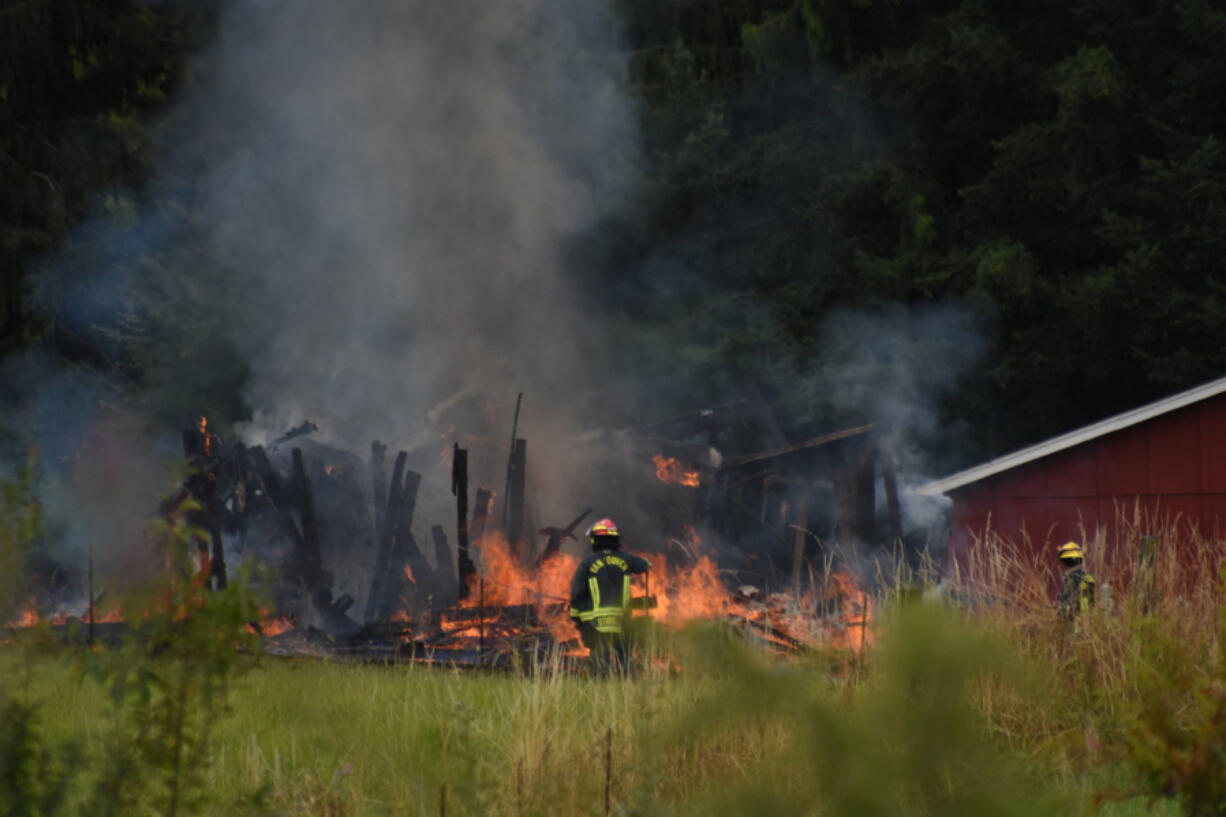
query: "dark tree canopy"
1057, 169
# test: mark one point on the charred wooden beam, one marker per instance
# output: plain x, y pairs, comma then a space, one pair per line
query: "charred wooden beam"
459, 488
518, 614
311, 554
200, 446
854, 494
269, 480
213, 514
556, 537
306, 427
378, 480
444, 574
506, 493
890, 479
800, 530
387, 534
481, 513
408, 565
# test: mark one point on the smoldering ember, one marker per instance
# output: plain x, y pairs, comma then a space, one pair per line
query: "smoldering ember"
740, 527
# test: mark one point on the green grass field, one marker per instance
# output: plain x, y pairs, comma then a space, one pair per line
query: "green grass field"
978, 700
733, 733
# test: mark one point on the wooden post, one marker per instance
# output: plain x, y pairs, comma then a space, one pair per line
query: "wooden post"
378, 480
506, 494
481, 514
213, 514
312, 555
383, 559
459, 488
891, 493
444, 574
854, 495
404, 547
801, 534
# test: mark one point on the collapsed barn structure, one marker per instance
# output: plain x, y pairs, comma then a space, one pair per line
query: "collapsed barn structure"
741, 525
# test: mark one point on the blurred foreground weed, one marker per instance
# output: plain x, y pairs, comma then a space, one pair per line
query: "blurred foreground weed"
906, 740
167, 683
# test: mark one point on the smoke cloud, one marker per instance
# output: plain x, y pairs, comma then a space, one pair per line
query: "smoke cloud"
400, 179
360, 218
895, 367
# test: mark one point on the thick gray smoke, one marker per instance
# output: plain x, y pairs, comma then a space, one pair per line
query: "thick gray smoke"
362, 209
894, 367
399, 184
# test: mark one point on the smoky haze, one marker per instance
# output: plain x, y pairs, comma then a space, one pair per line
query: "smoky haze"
362, 208
398, 184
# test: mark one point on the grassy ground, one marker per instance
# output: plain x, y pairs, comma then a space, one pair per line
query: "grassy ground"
735, 736
977, 700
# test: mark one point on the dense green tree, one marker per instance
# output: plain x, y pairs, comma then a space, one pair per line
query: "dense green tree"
1057, 167
79, 83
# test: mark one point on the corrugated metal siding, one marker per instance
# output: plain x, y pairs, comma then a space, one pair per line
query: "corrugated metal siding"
1174, 465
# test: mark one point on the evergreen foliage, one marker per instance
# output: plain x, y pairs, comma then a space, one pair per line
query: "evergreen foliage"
1057, 169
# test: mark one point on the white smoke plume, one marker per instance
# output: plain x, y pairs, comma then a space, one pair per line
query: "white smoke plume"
368, 205
400, 179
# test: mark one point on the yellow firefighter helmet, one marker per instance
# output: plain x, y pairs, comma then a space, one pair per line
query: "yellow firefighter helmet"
1070, 551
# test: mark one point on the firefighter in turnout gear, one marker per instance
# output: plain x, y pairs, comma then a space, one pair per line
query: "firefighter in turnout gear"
1077, 592
600, 596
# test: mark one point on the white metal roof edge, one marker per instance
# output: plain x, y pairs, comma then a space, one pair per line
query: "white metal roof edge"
1072, 438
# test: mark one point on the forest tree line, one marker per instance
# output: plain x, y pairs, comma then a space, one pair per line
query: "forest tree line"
1055, 168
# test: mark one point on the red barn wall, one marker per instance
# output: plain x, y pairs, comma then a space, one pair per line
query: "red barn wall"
1174, 465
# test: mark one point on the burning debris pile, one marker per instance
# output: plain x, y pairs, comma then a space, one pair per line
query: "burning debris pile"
335, 542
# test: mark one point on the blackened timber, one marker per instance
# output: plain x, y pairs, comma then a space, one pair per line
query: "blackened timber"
444, 575
312, 555
213, 514
199, 447
269, 479
407, 563
523, 615
801, 534
459, 488
556, 537
506, 494
481, 513
852, 478
387, 535
515, 497
890, 480
306, 427
378, 480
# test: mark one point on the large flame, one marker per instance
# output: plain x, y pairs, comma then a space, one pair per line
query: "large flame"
668, 469
503, 581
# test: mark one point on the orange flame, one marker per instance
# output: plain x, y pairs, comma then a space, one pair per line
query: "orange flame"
508, 582
27, 616
271, 625
856, 613
668, 469
203, 428
408, 574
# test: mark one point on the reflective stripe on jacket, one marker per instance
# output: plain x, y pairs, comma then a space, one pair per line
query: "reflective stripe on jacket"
600, 591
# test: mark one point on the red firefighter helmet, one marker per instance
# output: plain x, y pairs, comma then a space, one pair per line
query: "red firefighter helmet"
603, 535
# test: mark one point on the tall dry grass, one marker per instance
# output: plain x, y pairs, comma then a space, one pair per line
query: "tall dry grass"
1153, 639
